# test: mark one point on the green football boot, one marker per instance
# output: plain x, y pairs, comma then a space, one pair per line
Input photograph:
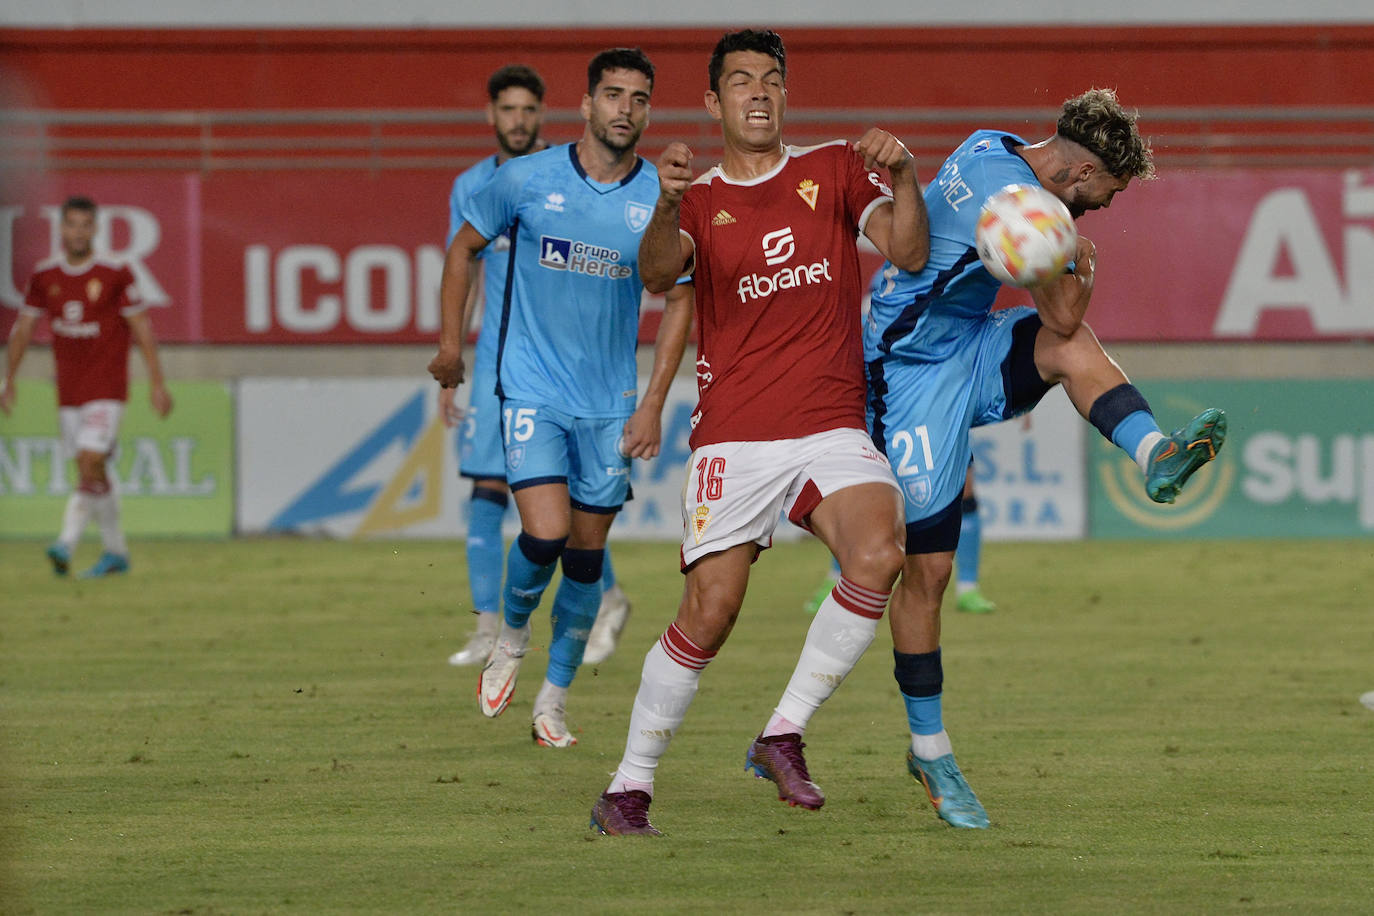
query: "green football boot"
1173, 460
973, 602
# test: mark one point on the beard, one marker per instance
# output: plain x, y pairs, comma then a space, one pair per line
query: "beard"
602, 132
512, 147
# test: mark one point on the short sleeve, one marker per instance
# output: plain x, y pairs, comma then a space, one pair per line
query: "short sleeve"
494, 207
35, 303
455, 211
864, 190
130, 301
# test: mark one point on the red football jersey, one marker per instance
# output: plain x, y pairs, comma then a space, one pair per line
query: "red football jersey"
86, 305
778, 293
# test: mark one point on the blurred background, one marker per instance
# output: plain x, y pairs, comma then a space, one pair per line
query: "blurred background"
278, 180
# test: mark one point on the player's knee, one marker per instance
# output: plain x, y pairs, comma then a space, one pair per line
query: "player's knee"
583, 565
875, 564
540, 551
90, 468
927, 575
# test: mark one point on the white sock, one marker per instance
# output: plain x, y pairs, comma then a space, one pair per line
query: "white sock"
75, 518
667, 684
962, 587
843, 628
550, 697
931, 747
1142, 451
106, 510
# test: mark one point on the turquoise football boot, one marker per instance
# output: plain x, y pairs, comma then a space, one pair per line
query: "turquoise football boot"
1173, 460
954, 801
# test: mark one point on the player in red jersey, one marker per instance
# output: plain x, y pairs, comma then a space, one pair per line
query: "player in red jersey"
770, 239
94, 309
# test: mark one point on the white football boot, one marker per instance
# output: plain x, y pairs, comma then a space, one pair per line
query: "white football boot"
610, 620
496, 685
479, 646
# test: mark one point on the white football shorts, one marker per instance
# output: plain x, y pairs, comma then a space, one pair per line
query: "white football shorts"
92, 427
735, 492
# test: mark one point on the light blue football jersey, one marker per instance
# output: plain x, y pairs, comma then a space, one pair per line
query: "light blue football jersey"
494, 257
954, 283
569, 326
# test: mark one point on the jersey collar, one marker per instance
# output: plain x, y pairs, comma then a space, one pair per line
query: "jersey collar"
572, 157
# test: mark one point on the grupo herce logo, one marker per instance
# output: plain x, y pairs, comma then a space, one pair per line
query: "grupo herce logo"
1204, 493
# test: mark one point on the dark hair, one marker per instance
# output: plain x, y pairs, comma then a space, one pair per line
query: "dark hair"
618, 59
1096, 121
84, 204
515, 75
765, 41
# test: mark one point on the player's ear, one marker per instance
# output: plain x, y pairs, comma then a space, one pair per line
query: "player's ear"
1085, 171
491, 113
586, 107
712, 105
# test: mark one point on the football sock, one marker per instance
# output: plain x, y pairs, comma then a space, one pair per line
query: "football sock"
607, 573
76, 516
574, 611
969, 553
485, 555
843, 628
667, 684
921, 679
1123, 416
106, 510
529, 567
550, 696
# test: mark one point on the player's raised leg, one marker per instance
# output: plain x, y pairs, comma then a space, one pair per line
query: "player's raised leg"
861, 525
1106, 399
713, 592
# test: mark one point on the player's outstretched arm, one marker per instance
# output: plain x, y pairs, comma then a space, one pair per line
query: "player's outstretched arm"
1063, 301
20, 335
663, 250
141, 326
454, 312
901, 232
643, 432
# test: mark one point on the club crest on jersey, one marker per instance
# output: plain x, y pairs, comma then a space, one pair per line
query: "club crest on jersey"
637, 215
919, 491
982, 146
701, 518
515, 456
778, 246
93, 288
809, 191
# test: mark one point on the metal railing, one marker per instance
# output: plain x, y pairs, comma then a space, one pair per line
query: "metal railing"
208, 141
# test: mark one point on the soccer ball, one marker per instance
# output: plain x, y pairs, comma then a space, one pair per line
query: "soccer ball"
1025, 235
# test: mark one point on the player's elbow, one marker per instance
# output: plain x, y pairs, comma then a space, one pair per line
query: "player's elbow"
657, 282
913, 260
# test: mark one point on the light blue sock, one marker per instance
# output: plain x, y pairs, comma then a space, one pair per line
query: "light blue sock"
574, 611
968, 554
485, 554
607, 573
923, 714
1132, 429
525, 584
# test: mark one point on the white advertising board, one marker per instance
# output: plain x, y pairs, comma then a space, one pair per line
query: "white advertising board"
1029, 474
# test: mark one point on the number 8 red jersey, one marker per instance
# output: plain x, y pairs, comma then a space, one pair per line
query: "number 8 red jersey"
778, 292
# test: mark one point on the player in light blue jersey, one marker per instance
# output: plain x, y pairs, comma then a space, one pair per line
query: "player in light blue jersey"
565, 365
940, 361
515, 111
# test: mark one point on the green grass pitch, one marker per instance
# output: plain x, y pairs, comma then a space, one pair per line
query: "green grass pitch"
270, 727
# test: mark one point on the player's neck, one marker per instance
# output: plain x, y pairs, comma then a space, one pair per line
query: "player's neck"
74, 260
745, 164
603, 164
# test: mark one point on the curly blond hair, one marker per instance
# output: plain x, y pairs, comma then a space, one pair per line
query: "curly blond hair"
1096, 121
